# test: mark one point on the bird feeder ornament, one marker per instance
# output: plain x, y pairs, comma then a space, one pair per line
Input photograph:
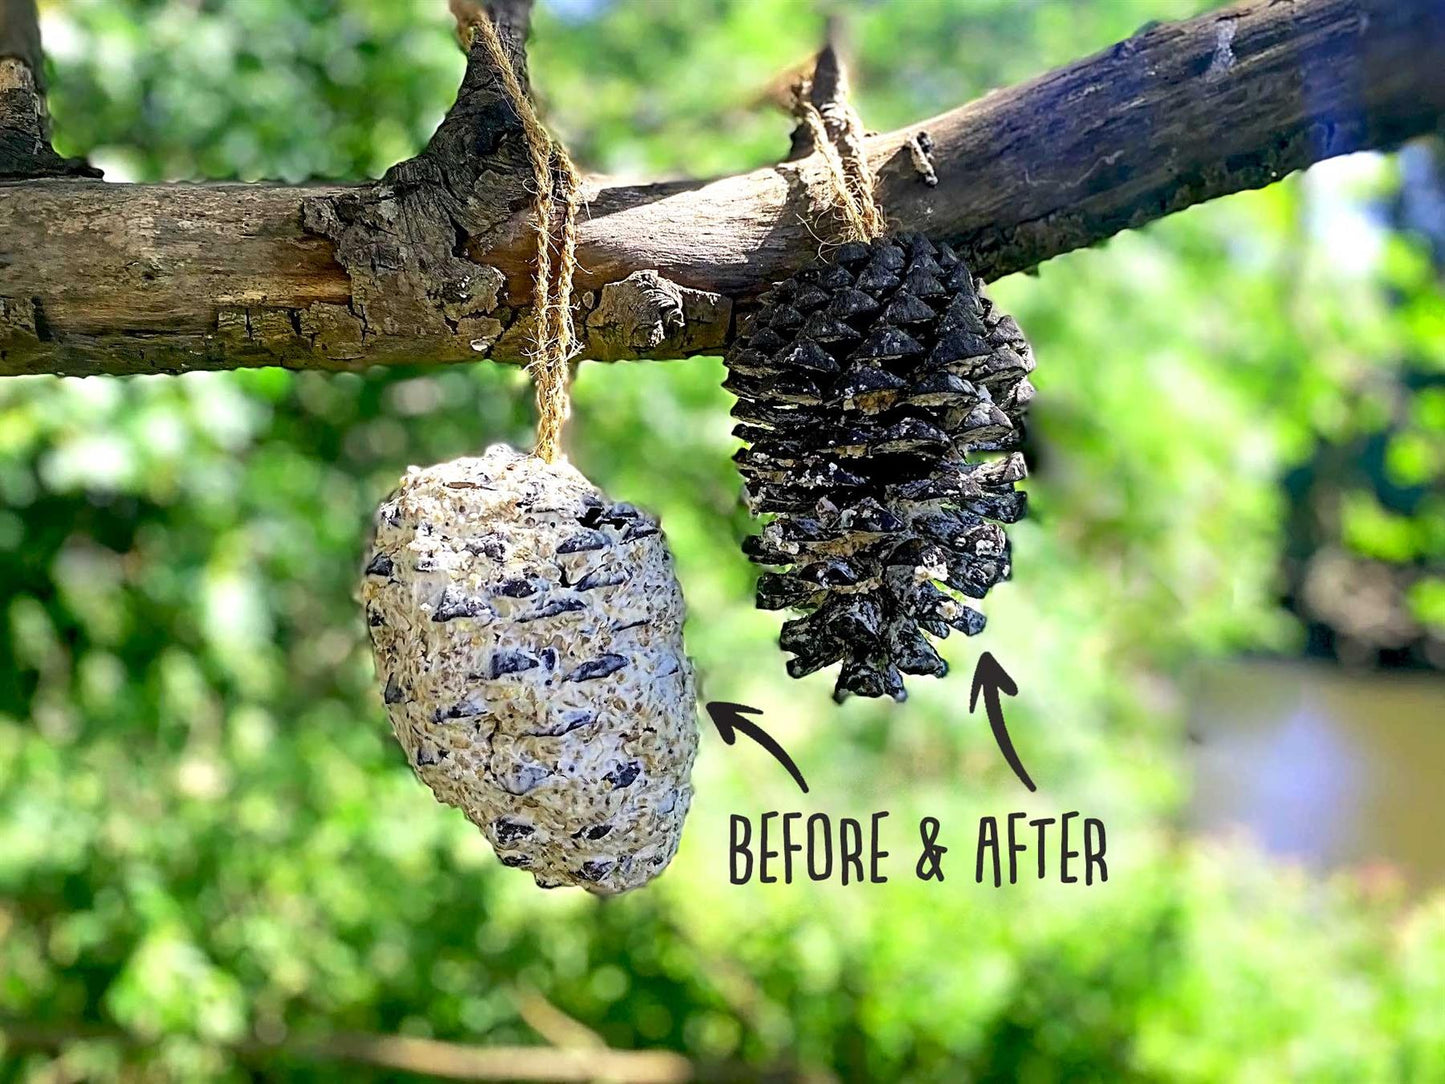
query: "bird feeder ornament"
527, 630
528, 639
871, 387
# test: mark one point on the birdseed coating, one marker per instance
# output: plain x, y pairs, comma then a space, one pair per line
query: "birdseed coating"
528, 643
874, 390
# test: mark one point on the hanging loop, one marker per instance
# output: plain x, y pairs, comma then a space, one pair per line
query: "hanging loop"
554, 214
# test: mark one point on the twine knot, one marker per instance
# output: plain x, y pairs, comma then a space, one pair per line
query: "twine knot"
837, 133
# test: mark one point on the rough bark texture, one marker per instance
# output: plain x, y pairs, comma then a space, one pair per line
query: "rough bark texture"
25, 149
432, 262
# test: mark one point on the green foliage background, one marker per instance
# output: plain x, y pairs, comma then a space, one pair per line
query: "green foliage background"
209, 843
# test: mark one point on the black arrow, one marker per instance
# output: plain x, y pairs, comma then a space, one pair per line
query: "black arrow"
991, 678
728, 718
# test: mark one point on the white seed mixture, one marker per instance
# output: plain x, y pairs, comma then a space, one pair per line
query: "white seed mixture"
528, 642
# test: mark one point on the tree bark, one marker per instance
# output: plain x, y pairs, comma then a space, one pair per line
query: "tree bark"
25, 149
20, 35
432, 262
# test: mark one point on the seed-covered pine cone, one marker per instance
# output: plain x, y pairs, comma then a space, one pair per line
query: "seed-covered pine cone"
528, 642
864, 384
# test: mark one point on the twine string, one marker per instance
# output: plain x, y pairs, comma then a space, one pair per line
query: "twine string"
556, 188
847, 165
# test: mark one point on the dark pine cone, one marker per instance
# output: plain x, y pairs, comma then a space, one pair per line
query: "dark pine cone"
863, 386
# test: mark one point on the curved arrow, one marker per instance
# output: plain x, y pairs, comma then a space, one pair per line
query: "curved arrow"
728, 718
989, 677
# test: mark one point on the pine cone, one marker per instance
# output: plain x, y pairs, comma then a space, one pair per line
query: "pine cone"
866, 385
528, 640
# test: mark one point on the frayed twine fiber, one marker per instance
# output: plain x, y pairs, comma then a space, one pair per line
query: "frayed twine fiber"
555, 179
842, 153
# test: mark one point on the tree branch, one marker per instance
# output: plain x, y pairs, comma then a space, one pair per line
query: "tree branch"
514, 24
432, 262
25, 149
20, 35
434, 1058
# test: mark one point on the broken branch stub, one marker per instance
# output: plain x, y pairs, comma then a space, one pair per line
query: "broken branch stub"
25, 150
